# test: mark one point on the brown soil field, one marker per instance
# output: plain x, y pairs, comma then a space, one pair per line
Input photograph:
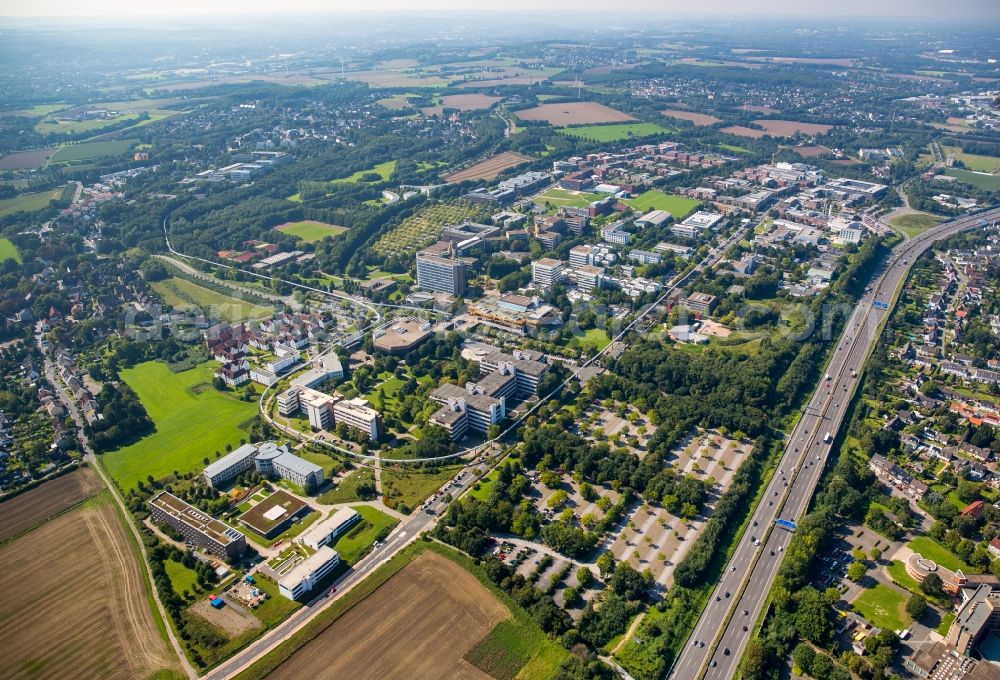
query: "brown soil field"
462, 102
741, 131
393, 103
811, 151
806, 60
696, 118
574, 113
759, 109
787, 128
22, 160
73, 602
489, 168
31, 508
418, 624
230, 619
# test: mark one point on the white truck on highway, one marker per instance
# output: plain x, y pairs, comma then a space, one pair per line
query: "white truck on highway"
827, 438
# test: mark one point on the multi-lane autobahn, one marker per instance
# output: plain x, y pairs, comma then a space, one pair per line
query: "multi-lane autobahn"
714, 649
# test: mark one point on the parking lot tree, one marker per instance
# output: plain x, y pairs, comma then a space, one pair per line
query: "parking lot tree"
606, 564
584, 576
875, 553
916, 606
856, 571
550, 479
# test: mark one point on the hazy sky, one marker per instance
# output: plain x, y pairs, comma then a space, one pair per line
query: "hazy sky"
839, 8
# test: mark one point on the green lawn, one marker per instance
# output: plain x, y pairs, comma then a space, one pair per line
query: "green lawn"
945, 624
192, 419
976, 179
28, 202
613, 133
485, 486
8, 250
594, 338
410, 486
931, 549
355, 543
678, 206
38, 110
288, 534
55, 125
733, 148
181, 578
87, 150
324, 461
565, 198
884, 606
184, 294
311, 230
347, 490
383, 170
916, 223
976, 162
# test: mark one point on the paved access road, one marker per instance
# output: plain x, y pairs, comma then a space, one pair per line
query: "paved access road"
726, 624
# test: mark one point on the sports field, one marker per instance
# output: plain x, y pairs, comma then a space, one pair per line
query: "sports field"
183, 294
383, 170
193, 420
310, 230
88, 150
73, 602
678, 206
613, 133
8, 251
28, 203
564, 197
447, 612
976, 179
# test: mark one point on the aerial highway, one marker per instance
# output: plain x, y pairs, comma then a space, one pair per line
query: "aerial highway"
719, 638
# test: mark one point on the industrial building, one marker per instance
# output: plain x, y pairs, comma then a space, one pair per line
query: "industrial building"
197, 528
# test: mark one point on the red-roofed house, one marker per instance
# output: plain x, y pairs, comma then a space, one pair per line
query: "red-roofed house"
974, 509
994, 547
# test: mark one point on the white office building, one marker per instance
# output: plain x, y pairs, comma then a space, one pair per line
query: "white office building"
547, 272
308, 573
330, 529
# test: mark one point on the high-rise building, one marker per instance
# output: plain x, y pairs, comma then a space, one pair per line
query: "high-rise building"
440, 274
547, 271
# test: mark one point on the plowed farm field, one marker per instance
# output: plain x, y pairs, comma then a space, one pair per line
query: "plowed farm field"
489, 168
73, 602
33, 507
574, 113
447, 611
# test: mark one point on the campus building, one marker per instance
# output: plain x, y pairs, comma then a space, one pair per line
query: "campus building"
357, 414
401, 336
700, 302
978, 616
527, 371
278, 461
307, 574
439, 274
330, 529
547, 272
197, 528
480, 409
230, 466
325, 411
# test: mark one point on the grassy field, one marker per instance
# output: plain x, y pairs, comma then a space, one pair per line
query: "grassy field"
57, 125
884, 606
324, 461
347, 490
38, 110
88, 150
973, 161
916, 223
614, 133
485, 486
932, 550
594, 338
311, 230
8, 251
183, 294
678, 206
410, 486
362, 535
383, 170
192, 419
733, 148
27, 203
976, 179
560, 198
73, 602
181, 578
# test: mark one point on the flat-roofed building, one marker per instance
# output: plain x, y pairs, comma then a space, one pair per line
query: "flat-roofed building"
581, 256
453, 417
357, 414
644, 256
440, 274
321, 369
308, 573
482, 410
197, 527
230, 466
402, 336
700, 302
278, 461
978, 616
330, 529
696, 224
588, 277
936, 661
527, 372
318, 407
654, 218
499, 384
274, 514
547, 271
